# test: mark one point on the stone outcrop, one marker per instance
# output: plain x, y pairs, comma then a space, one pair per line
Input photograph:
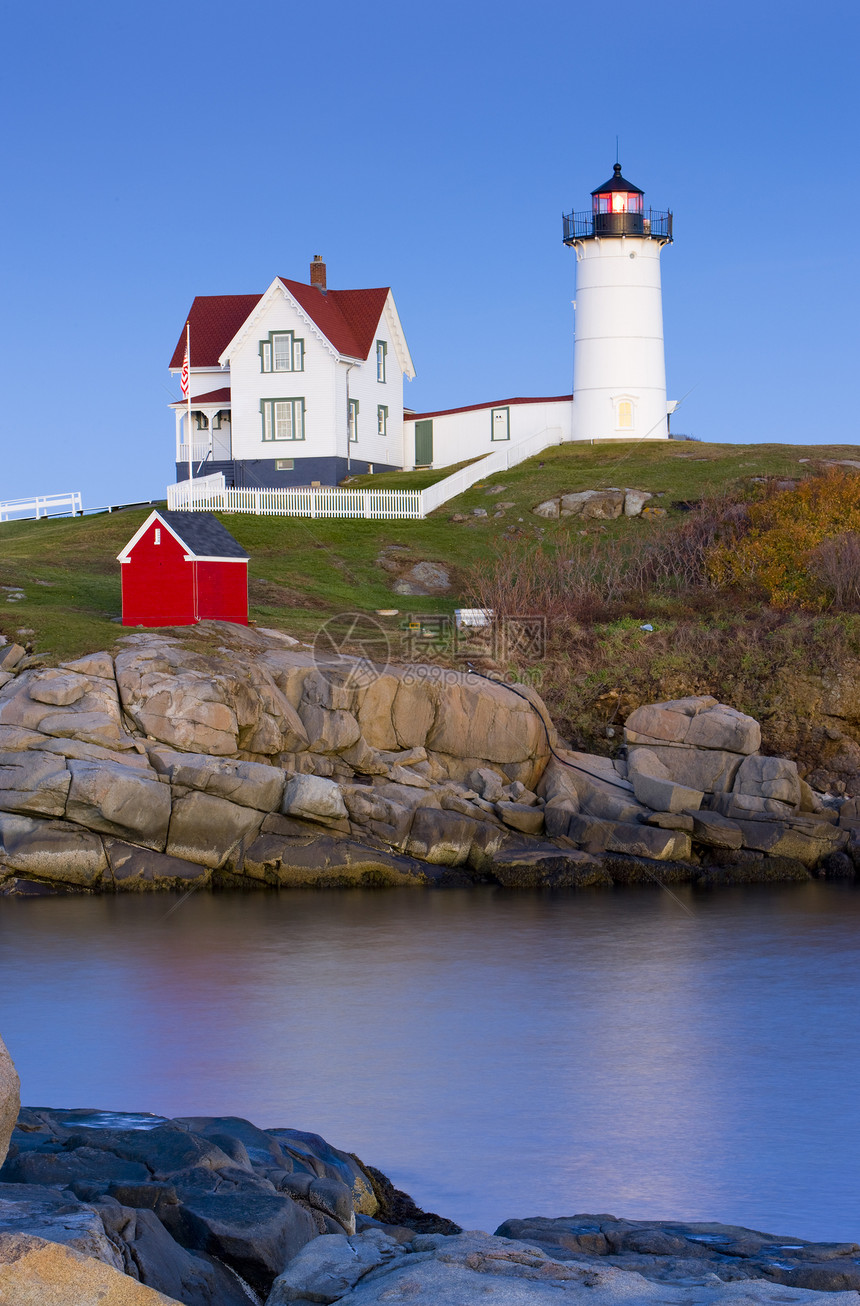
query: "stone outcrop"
671, 1252
263, 764
597, 505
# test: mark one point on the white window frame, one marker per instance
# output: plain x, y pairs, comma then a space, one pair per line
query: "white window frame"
381, 361
382, 419
292, 355
352, 421
283, 419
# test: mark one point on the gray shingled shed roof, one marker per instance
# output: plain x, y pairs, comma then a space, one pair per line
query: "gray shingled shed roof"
203, 535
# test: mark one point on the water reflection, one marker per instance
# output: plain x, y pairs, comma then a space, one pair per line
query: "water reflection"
497, 1054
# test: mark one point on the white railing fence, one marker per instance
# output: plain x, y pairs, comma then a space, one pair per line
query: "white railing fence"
497, 461
203, 494
42, 505
212, 494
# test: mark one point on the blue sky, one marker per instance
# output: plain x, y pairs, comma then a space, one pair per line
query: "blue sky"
156, 151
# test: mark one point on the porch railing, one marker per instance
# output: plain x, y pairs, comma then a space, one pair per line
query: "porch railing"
198, 452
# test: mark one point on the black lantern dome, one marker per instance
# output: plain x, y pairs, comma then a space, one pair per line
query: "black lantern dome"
617, 209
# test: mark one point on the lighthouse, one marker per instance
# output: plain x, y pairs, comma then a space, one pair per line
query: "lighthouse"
619, 368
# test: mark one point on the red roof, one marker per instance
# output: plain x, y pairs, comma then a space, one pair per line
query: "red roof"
214, 320
348, 318
221, 396
471, 408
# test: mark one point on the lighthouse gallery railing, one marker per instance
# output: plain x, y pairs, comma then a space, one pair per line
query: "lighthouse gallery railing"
656, 223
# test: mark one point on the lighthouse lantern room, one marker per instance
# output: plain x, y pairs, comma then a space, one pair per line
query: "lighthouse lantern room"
619, 370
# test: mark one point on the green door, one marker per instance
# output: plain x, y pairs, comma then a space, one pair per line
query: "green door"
423, 444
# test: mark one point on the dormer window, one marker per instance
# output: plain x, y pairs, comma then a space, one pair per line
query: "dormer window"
282, 352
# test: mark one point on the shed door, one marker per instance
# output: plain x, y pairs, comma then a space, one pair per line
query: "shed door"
423, 443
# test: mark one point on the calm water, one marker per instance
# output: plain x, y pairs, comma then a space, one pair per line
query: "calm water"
498, 1055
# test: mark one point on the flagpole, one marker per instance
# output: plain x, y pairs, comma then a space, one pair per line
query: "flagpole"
190, 433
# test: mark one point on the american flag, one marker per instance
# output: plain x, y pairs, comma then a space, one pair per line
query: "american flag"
183, 375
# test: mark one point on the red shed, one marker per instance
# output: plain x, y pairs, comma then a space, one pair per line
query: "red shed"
182, 567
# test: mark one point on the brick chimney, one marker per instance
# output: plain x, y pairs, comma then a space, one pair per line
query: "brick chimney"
318, 272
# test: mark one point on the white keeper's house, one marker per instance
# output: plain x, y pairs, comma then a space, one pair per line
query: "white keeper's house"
303, 385
297, 386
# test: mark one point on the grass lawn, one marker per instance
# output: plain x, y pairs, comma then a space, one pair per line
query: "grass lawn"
417, 480
303, 571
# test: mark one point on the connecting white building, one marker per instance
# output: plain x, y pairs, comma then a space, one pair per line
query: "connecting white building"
303, 385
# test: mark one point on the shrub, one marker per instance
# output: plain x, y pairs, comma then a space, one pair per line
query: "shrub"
835, 564
587, 579
780, 554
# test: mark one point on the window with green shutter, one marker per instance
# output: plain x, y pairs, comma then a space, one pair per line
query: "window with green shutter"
282, 352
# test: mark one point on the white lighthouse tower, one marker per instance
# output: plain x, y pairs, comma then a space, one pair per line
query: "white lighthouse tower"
619, 369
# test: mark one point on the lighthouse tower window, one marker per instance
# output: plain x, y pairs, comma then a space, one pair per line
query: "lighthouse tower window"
624, 415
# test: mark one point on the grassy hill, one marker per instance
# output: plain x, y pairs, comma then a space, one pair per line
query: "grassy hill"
303, 572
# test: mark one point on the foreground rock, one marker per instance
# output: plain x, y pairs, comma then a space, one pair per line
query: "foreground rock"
434, 1270
34, 1272
102, 1207
10, 1099
261, 765
208, 1211
665, 1251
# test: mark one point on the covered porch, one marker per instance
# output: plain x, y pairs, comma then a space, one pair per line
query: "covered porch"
208, 438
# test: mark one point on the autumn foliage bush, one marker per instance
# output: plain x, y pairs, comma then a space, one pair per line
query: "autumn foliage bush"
801, 546
790, 548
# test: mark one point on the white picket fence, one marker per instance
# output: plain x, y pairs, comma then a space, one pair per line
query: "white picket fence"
212, 494
42, 505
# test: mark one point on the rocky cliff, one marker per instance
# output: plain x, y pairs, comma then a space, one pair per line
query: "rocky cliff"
257, 762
